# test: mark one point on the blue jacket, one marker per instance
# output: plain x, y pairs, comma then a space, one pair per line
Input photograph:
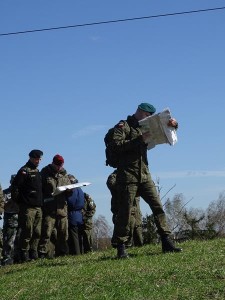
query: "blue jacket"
75, 206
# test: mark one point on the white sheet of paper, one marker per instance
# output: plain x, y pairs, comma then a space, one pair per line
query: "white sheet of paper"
159, 131
61, 189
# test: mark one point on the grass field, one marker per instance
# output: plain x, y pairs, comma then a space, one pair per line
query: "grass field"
196, 273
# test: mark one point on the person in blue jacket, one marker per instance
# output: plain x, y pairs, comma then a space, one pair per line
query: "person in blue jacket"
75, 218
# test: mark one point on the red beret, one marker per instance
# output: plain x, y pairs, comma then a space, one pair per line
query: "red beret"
58, 160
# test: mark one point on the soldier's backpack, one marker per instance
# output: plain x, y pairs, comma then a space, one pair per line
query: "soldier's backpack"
112, 156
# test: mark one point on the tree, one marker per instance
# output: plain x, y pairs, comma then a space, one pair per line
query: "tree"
102, 233
150, 234
174, 210
216, 215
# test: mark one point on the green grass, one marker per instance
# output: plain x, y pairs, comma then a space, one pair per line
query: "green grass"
196, 273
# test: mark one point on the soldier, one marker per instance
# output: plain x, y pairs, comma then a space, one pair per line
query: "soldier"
26, 191
1, 212
133, 177
75, 218
55, 207
10, 226
135, 233
81, 211
88, 213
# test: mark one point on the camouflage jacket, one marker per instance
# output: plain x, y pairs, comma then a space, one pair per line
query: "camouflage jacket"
50, 181
88, 211
133, 162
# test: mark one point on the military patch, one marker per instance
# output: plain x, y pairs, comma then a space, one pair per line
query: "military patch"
23, 171
121, 124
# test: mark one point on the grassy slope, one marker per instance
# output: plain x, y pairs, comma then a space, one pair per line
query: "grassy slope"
196, 273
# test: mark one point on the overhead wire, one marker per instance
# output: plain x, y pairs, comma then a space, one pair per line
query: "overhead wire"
113, 21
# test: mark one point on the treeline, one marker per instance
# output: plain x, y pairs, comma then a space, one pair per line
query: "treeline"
189, 223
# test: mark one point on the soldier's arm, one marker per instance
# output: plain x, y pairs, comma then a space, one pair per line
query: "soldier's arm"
122, 142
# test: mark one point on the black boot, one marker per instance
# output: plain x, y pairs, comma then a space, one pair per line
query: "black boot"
168, 245
121, 251
7, 261
33, 255
42, 255
25, 256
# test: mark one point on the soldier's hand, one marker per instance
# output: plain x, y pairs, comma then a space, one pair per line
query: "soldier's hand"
173, 123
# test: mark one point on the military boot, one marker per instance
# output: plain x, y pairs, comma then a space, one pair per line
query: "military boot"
33, 254
7, 261
168, 245
121, 251
25, 256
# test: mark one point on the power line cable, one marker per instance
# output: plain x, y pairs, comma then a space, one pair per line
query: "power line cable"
113, 21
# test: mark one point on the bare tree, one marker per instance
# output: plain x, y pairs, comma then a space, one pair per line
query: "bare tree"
175, 212
216, 215
102, 233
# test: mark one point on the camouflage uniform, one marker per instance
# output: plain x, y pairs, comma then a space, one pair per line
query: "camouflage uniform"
135, 232
10, 227
133, 177
88, 213
1, 211
54, 210
26, 191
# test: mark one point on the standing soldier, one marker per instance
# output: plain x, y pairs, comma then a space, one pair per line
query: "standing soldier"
10, 226
55, 207
26, 191
88, 213
1, 211
133, 177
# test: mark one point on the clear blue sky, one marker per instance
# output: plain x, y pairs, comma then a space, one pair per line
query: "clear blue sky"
61, 90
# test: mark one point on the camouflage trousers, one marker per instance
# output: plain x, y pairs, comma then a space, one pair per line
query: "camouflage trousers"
127, 193
49, 224
10, 227
135, 237
30, 219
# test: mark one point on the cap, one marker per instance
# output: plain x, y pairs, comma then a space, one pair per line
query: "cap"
58, 160
35, 153
72, 178
147, 107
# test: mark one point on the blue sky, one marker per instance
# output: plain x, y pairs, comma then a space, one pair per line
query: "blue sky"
61, 90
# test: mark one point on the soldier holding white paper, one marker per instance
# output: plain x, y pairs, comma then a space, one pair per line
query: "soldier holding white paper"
54, 207
133, 177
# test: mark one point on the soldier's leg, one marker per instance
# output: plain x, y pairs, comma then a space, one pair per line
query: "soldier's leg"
62, 236
9, 234
87, 240
148, 192
26, 221
36, 234
127, 194
48, 224
73, 240
138, 236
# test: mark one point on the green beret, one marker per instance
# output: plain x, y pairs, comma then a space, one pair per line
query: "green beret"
147, 107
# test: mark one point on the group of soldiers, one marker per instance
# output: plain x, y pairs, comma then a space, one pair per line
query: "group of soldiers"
37, 223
